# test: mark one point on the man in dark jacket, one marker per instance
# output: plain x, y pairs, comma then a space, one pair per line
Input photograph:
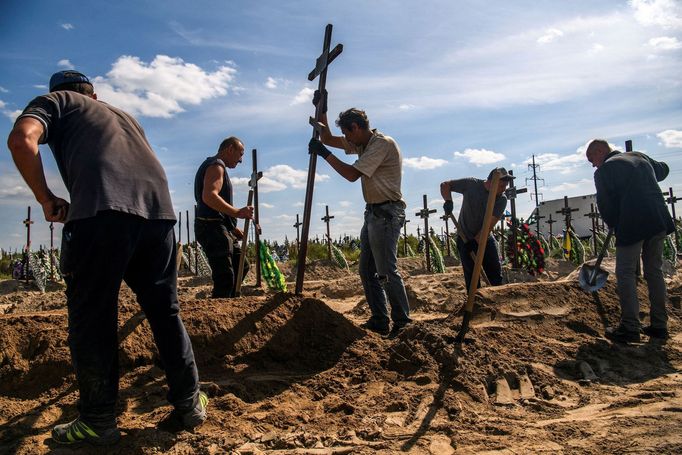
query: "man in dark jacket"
118, 227
631, 203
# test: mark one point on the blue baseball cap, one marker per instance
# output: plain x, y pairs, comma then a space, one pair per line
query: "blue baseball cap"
67, 77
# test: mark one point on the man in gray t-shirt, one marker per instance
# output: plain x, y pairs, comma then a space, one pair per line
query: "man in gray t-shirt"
475, 198
118, 227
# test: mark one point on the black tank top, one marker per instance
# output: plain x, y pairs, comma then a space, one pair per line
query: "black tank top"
203, 210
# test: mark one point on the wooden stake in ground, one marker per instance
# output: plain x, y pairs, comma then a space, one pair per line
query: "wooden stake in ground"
424, 214
476, 273
327, 219
27, 223
253, 181
321, 66
256, 218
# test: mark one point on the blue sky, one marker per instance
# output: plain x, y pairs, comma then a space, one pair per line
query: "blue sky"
462, 86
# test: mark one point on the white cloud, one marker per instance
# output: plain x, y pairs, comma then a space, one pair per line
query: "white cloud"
424, 162
265, 204
40, 86
161, 87
271, 83
2, 104
569, 187
13, 115
596, 48
67, 26
295, 178
550, 35
479, 157
406, 107
671, 138
664, 13
345, 204
3, 90
304, 96
65, 63
286, 217
665, 43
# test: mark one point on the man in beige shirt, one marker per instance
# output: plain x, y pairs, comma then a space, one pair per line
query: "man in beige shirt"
379, 166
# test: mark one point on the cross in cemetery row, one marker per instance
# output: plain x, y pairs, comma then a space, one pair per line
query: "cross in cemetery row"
326, 218
196, 272
550, 221
180, 227
419, 233
502, 233
424, 214
321, 66
538, 217
298, 230
27, 223
256, 219
405, 236
51, 251
253, 184
671, 199
566, 212
196, 245
446, 218
511, 193
594, 216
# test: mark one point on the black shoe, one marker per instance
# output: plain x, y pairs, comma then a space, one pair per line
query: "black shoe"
79, 431
622, 335
653, 332
188, 420
376, 328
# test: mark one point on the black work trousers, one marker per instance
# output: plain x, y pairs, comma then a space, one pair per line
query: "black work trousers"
222, 251
98, 253
491, 262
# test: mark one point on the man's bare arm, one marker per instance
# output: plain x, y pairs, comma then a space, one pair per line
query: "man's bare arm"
345, 170
213, 182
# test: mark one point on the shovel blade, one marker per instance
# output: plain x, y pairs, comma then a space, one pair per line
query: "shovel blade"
592, 279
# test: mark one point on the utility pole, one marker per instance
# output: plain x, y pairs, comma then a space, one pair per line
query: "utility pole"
537, 200
424, 214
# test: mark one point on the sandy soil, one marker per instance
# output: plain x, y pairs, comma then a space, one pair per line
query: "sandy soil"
290, 374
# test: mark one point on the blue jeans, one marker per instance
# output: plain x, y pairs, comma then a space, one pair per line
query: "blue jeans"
627, 258
379, 264
99, 253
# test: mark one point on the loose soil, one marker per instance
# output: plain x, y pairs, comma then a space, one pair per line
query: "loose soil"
297, 374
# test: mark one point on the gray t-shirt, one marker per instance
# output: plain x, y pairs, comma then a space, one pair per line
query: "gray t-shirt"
103, 156
475, 199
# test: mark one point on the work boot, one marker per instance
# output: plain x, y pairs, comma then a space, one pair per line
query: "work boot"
622, 335
654, 332
79, 431
396, 331
186, 420
374, 327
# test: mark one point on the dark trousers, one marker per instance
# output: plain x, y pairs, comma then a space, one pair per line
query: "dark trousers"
223, 252
491, 262
97, 254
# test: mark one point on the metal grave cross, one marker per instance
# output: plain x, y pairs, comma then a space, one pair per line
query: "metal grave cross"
405, 236
297, 225
424, 214
594, 216
566, 211
321, 66
326, 218
446, 218
671, 199
511, 193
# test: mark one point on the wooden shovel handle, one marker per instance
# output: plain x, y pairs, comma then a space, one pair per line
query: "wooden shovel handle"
461, 235
485, 231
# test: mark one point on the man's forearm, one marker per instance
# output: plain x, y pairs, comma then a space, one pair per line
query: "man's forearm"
26, 156
345, 170
219, 204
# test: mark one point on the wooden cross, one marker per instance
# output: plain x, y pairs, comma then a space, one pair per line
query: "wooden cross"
671, 201
405, 236
253, 183
419, 233
511, 193
594, 216
27, 223
321, 66
298, 236
196, 271
196, 243
446, 218
180, 227
326, 218
566, 211
550, 221
424, 214
256, 218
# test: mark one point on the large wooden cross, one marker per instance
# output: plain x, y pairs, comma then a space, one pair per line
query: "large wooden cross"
671, 199
326, 218
511, 193
253, 183
424, 214
550, 221
321, 66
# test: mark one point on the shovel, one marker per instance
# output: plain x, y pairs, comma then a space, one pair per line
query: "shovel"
592, 278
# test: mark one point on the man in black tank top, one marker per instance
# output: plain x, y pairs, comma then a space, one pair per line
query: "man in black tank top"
215, 225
